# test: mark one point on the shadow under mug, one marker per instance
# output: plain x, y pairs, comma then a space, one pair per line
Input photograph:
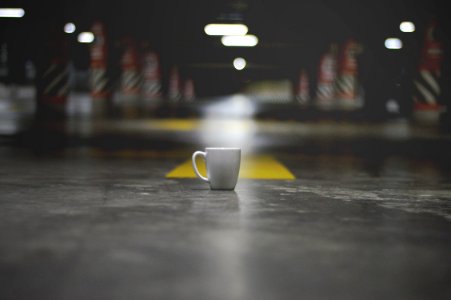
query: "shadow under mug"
223, 167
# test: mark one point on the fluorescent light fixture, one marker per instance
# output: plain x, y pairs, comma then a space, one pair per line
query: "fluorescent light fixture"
393, 43
239, 40
86, 37
225, 29
239, 63
407, 26
69, 28
11, 12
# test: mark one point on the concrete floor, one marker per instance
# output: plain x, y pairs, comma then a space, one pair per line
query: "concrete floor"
367, 217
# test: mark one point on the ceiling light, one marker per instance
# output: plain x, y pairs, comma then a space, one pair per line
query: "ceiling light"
11, 12
393, 43
239, 63
69, 28
239, 41
86, 37
407, 26
225, 29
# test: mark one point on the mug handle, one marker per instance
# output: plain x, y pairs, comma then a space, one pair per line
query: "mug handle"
195, 154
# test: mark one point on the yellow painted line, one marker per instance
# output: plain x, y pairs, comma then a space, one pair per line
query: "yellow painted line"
138, 154
176, 124
252, 167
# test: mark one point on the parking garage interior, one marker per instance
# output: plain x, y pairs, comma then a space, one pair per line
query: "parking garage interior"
340, 111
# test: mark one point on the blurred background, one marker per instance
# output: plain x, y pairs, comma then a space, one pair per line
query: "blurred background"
307, 59
340, 108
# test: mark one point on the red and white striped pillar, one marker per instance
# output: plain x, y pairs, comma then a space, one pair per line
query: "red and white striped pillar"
327, 74
53, 77
174, 93
347, 85
98, 65
303, 88
427, 87
188, 90
151, 78
130, 77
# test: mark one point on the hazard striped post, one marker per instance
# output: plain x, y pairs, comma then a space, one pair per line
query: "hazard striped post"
53, 78
98, 67
347, 84
4, 70
188, 90
427, 90
174, 93
130, 78
303, 89
327, 74
151, 79
5, 91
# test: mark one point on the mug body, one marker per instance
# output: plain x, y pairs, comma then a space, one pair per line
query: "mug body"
223, 166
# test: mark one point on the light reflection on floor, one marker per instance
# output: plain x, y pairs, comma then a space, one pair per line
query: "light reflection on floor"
232, 107
228, 123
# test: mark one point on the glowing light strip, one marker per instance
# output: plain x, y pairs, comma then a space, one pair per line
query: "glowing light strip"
393, 43
226, 29
11, 12
239, 41
85, 37
407, 26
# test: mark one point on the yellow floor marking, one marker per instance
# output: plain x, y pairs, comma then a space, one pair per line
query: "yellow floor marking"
176, 124
138, 154
252, 167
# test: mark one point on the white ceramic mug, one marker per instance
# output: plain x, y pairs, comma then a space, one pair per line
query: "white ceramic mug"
223, 167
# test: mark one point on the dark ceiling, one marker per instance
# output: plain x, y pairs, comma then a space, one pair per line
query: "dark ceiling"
292, 34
